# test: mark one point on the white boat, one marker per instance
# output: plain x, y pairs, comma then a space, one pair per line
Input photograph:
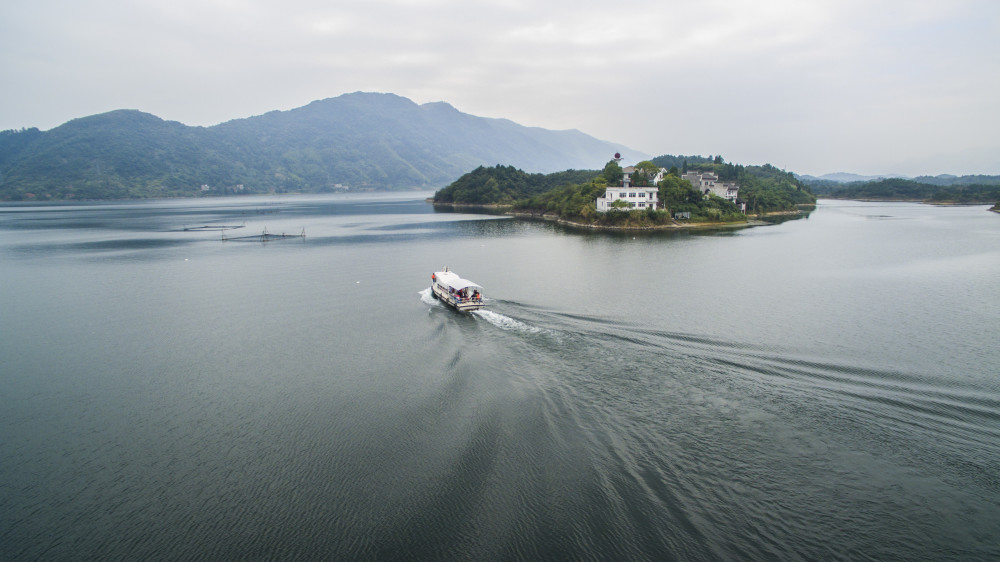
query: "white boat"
460, 294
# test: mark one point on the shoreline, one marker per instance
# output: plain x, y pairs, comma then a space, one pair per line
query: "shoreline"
506, 210
922, 201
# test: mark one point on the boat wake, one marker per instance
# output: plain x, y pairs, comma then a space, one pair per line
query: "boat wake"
495, 318
506, 322
427, 297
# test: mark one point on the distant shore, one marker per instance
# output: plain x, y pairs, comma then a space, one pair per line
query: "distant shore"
905, 200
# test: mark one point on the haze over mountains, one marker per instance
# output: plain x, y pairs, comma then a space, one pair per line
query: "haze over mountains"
940, 179
358, 141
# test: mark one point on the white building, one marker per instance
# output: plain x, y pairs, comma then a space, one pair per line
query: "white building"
708, 182
629, 170
659, 176
632, 197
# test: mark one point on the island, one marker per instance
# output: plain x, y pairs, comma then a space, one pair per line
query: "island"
665, 192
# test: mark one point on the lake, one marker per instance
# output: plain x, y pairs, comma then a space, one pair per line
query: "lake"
822, 388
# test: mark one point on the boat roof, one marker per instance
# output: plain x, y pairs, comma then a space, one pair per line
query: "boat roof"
451, 279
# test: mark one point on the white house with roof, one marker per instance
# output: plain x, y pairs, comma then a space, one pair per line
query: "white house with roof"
629, 170
659, 176
708, 182
632, 197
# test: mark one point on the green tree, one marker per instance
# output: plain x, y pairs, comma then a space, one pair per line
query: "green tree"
675, 192
612, 173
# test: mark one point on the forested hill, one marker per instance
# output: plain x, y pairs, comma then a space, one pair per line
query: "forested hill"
976, 189
505, 185
358, 141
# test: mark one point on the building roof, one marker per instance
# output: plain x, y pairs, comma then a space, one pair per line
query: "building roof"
633, 188
452, 280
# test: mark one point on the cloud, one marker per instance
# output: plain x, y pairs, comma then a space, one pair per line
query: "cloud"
815, 86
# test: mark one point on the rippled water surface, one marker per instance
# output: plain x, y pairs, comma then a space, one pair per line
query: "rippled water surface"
823, 388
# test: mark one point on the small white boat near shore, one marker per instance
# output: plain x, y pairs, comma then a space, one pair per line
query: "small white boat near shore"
460, 294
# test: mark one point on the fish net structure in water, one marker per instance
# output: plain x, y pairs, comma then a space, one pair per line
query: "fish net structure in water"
264, 236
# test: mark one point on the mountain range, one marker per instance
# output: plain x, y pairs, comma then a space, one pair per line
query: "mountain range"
356, 141
940, 179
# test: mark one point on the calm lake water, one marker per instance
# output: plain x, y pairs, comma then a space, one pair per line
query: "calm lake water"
824, 388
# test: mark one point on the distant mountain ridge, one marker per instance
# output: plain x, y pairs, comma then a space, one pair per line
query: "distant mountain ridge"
358, 141
841, 177
940, 179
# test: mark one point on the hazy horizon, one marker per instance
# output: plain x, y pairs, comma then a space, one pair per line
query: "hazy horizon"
885, 88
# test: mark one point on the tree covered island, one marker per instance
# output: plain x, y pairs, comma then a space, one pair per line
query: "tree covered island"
682, 190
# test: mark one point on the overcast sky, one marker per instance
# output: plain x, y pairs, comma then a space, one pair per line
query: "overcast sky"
812, 86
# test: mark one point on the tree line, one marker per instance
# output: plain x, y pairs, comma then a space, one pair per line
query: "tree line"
900, 189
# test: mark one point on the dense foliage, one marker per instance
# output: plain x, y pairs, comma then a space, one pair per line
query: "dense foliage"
911, 190
504, 185
682, 163
361, 141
